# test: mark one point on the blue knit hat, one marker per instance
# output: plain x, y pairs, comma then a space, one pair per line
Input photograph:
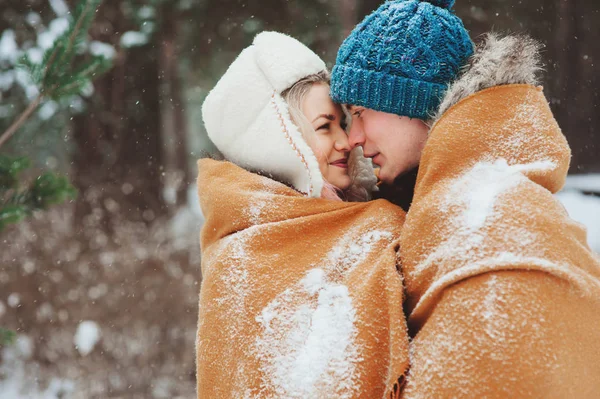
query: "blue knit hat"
401, 58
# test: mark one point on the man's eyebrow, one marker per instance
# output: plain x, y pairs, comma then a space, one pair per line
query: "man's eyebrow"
326, 116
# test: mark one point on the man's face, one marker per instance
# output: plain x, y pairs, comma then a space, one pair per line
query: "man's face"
393, 142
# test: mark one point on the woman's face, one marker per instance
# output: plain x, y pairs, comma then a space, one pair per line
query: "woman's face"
330, 143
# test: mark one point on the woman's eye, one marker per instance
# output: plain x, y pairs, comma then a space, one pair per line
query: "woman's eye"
357, 113
324, 127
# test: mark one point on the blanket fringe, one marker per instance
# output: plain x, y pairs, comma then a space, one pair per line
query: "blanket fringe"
397, 389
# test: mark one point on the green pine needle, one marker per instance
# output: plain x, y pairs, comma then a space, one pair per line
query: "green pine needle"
56, 76
16, 204
7, 337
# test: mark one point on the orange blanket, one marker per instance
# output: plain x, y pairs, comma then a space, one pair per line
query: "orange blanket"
301, 297
503, 293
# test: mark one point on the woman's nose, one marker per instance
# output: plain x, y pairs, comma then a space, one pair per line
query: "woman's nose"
341, 142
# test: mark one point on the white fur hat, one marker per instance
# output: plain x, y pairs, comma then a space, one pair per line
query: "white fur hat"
248, 120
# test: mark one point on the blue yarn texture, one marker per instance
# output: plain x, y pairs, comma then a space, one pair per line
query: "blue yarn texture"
401, 58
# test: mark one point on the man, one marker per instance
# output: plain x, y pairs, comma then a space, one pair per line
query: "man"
503, 293
401, 59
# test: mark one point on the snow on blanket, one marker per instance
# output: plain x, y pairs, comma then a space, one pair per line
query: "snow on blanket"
476, 194
308, 344
308, 340
483, 201
299, 296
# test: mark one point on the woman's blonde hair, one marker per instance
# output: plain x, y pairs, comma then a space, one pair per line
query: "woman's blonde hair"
294, 97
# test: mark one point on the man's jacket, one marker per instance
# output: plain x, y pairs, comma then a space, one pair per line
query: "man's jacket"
503, 292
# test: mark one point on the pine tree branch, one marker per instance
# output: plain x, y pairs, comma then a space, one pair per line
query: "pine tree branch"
64, 45
22, 118
49, 66
79, 23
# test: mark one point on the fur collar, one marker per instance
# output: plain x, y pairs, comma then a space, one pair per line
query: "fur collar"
513, 59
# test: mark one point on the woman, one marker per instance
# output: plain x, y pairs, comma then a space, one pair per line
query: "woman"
300, 297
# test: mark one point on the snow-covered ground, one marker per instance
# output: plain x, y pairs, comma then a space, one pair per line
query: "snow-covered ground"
588, 183
584, 209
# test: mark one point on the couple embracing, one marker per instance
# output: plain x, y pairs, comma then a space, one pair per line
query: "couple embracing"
483, 288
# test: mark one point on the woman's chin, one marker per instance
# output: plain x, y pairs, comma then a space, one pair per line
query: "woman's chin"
341, 182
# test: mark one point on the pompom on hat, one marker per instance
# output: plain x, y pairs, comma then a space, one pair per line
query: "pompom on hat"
401, 58
248, 120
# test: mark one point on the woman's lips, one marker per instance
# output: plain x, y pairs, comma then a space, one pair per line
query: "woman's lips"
342, 163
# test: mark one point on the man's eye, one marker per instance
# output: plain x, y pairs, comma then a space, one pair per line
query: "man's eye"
324, 127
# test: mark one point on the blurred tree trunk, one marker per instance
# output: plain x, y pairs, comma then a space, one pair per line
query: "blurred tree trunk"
176, 176
117, 151
576, 81
566, 58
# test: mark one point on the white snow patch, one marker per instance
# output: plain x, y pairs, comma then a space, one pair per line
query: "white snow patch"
480, 188
97, 291
255, 211
133, 39
59, 7
475, 194
236, 247
18, 381
76, 103
493, 315
88, 89
35, 55
7, 79
194, 201
56, 28
308, 350
24, 345
584, 209
263, 202
28, 266
186, 224
349, 251
169, 193
86, 337
48, 110
14, 300
9, 50
308, 345
33, 19
146, 12
24, 80
102, 49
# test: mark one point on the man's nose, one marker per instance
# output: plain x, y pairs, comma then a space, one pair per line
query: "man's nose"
356, 136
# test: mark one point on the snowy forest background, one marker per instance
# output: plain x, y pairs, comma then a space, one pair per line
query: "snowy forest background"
102, 291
